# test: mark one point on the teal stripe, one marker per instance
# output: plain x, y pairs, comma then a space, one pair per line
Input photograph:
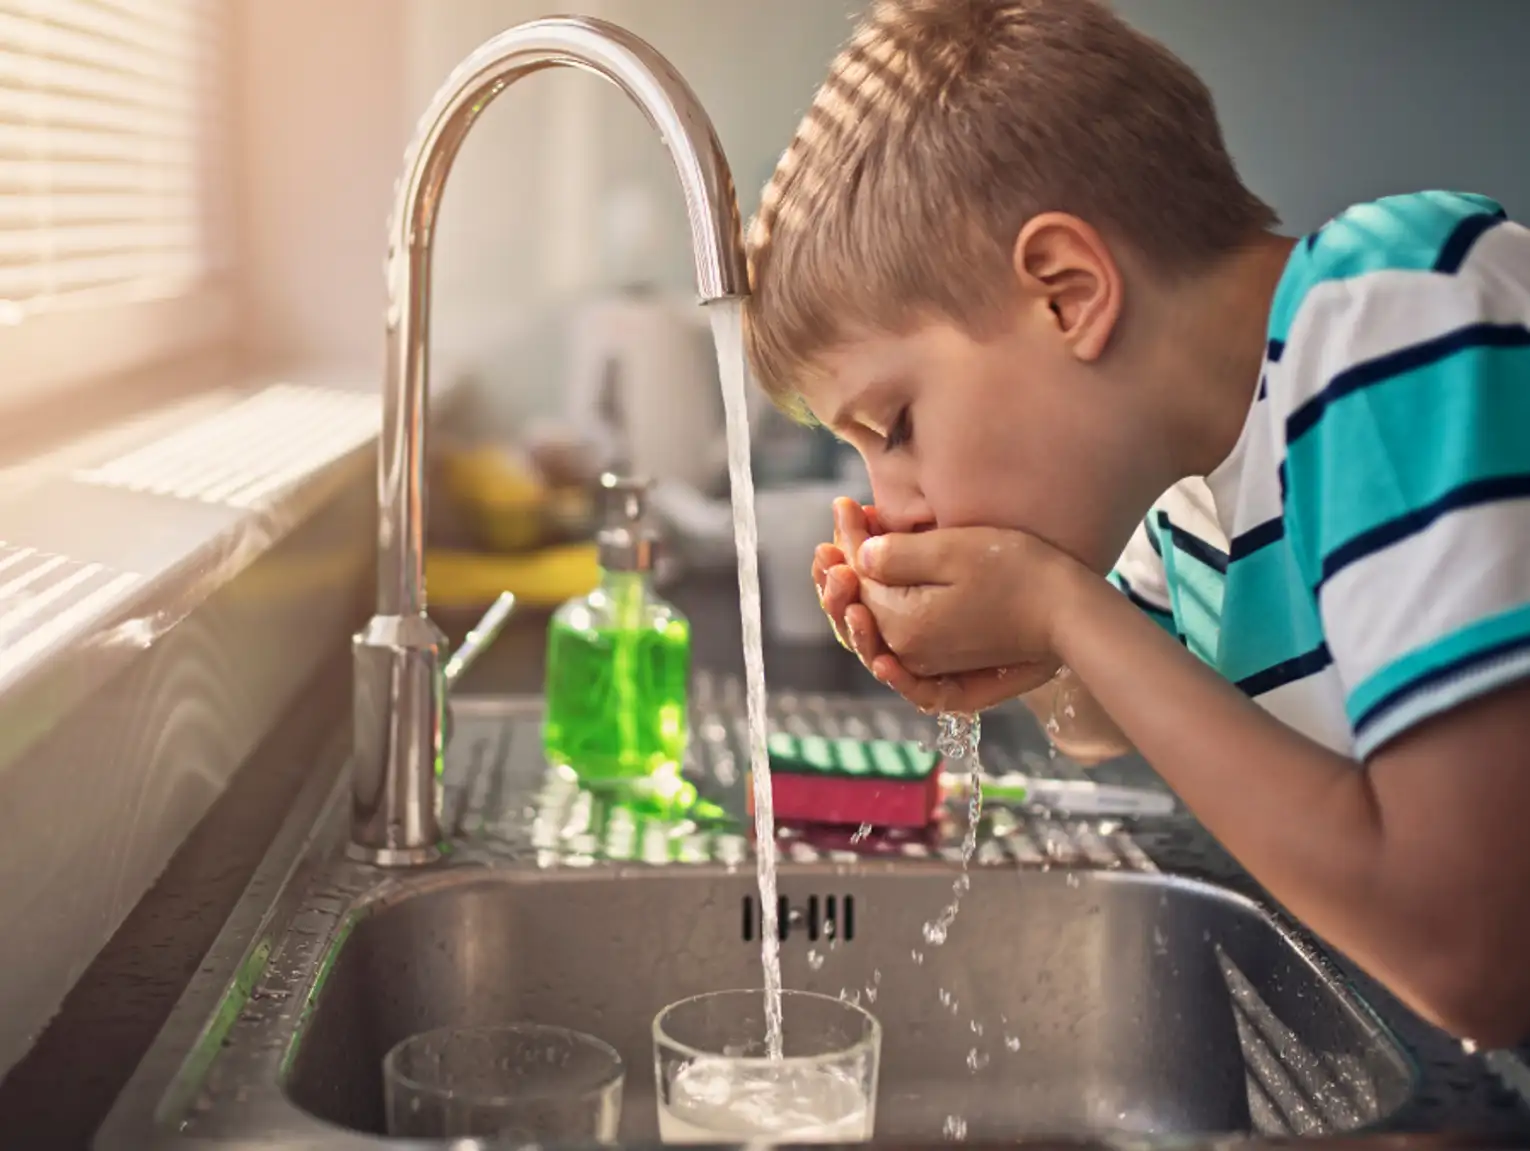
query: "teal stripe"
1196, 591
1278, 616
1398, 233
1397, 446
1422, 663
1163, 619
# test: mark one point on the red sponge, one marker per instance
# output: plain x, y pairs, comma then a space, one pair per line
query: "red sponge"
883, 783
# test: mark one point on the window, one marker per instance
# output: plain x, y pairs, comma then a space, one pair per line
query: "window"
115, 220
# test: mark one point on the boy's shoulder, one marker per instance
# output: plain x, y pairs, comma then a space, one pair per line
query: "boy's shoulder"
1431, 233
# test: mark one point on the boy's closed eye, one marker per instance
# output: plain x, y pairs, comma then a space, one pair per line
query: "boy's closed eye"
901, 431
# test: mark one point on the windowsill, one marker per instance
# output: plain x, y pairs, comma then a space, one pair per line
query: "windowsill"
109, 540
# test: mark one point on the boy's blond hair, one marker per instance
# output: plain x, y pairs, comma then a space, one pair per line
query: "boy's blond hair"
944, 125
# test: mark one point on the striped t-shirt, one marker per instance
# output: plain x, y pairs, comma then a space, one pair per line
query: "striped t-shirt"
1361, 561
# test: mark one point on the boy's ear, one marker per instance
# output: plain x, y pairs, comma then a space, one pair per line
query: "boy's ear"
1063, 265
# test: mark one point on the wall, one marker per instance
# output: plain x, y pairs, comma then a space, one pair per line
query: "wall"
322, 127
1324, 102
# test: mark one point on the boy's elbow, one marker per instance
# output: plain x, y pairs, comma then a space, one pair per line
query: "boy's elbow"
1476, 993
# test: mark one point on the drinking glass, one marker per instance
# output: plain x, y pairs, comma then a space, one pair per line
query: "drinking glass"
717, 1084
523, 1081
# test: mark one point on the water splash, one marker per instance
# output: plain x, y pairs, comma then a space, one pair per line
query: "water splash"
728, 335
957, 737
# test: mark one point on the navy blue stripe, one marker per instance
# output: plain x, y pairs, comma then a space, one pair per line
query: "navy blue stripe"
1467, 663
1455, 250
1136, 597
1280, 475
1287, 671
1257, 537
1152, 538
1193, 545
1393, 531
1408, 359
1264, 388
1274, 350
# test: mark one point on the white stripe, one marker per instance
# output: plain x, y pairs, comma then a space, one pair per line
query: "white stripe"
1471, 564
1313, 706
1441, 697
1246, 486
1141, 567
1348, 322
1499, 259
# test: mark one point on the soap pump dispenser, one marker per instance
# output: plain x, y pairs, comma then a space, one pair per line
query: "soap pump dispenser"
617, 665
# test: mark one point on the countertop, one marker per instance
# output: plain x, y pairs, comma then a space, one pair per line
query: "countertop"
61, 1092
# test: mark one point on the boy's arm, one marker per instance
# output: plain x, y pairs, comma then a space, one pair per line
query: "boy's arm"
1073, 719
1407, 505
1416, 865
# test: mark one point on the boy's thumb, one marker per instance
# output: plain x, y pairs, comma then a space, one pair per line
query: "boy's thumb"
901, 559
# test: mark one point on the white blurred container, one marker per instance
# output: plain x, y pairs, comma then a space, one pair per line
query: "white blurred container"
793, 521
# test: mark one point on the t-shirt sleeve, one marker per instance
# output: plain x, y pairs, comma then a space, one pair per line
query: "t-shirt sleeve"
1141, 576
1406, 480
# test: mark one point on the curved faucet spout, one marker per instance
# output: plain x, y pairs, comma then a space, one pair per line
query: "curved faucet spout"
399, 688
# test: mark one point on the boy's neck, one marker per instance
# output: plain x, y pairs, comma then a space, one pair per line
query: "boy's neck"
1219, 330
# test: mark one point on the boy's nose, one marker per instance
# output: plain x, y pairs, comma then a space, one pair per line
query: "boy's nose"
901, 506
905, 515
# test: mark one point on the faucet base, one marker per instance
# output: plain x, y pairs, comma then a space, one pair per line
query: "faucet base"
396, 748
393, 856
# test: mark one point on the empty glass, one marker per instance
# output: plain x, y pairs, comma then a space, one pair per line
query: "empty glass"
523, 1081
717, 1085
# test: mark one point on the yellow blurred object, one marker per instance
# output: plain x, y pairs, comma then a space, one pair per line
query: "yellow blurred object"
544, 578
500, 495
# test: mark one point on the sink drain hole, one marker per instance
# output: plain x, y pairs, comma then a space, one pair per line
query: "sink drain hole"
818, 917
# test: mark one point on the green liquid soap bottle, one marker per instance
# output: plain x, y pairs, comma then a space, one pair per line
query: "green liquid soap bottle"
617, 664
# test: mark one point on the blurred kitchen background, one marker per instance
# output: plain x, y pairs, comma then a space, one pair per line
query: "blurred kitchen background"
562, 269
193, 196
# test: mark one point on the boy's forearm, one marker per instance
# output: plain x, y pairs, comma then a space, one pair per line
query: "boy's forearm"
1302, 819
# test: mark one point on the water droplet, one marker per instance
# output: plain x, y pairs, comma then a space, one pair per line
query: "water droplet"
977, 1028
917, 956
955, 1128
1012, 1042
976, 1060
815, 960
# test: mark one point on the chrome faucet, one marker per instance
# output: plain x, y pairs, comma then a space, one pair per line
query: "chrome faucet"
400, 681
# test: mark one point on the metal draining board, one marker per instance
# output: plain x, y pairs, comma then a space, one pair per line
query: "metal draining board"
48, 601
249, 454
545, 818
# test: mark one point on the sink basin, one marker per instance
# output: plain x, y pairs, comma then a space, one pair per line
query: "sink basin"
1062, 1001
1089, 989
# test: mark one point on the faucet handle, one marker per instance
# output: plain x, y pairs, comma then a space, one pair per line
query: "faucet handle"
473, 645
482, 634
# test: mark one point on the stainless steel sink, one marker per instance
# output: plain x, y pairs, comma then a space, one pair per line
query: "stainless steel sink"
1081, 992
1061, 1002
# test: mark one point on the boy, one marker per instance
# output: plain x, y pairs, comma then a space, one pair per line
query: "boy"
1008, 258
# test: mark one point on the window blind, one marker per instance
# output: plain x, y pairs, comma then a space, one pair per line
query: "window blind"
114, 181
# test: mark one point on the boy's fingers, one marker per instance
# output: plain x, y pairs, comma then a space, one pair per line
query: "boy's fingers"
826, 556
841, 589
865, 640
849, 527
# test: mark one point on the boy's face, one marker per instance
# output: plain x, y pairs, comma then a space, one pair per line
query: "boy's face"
1011, 431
